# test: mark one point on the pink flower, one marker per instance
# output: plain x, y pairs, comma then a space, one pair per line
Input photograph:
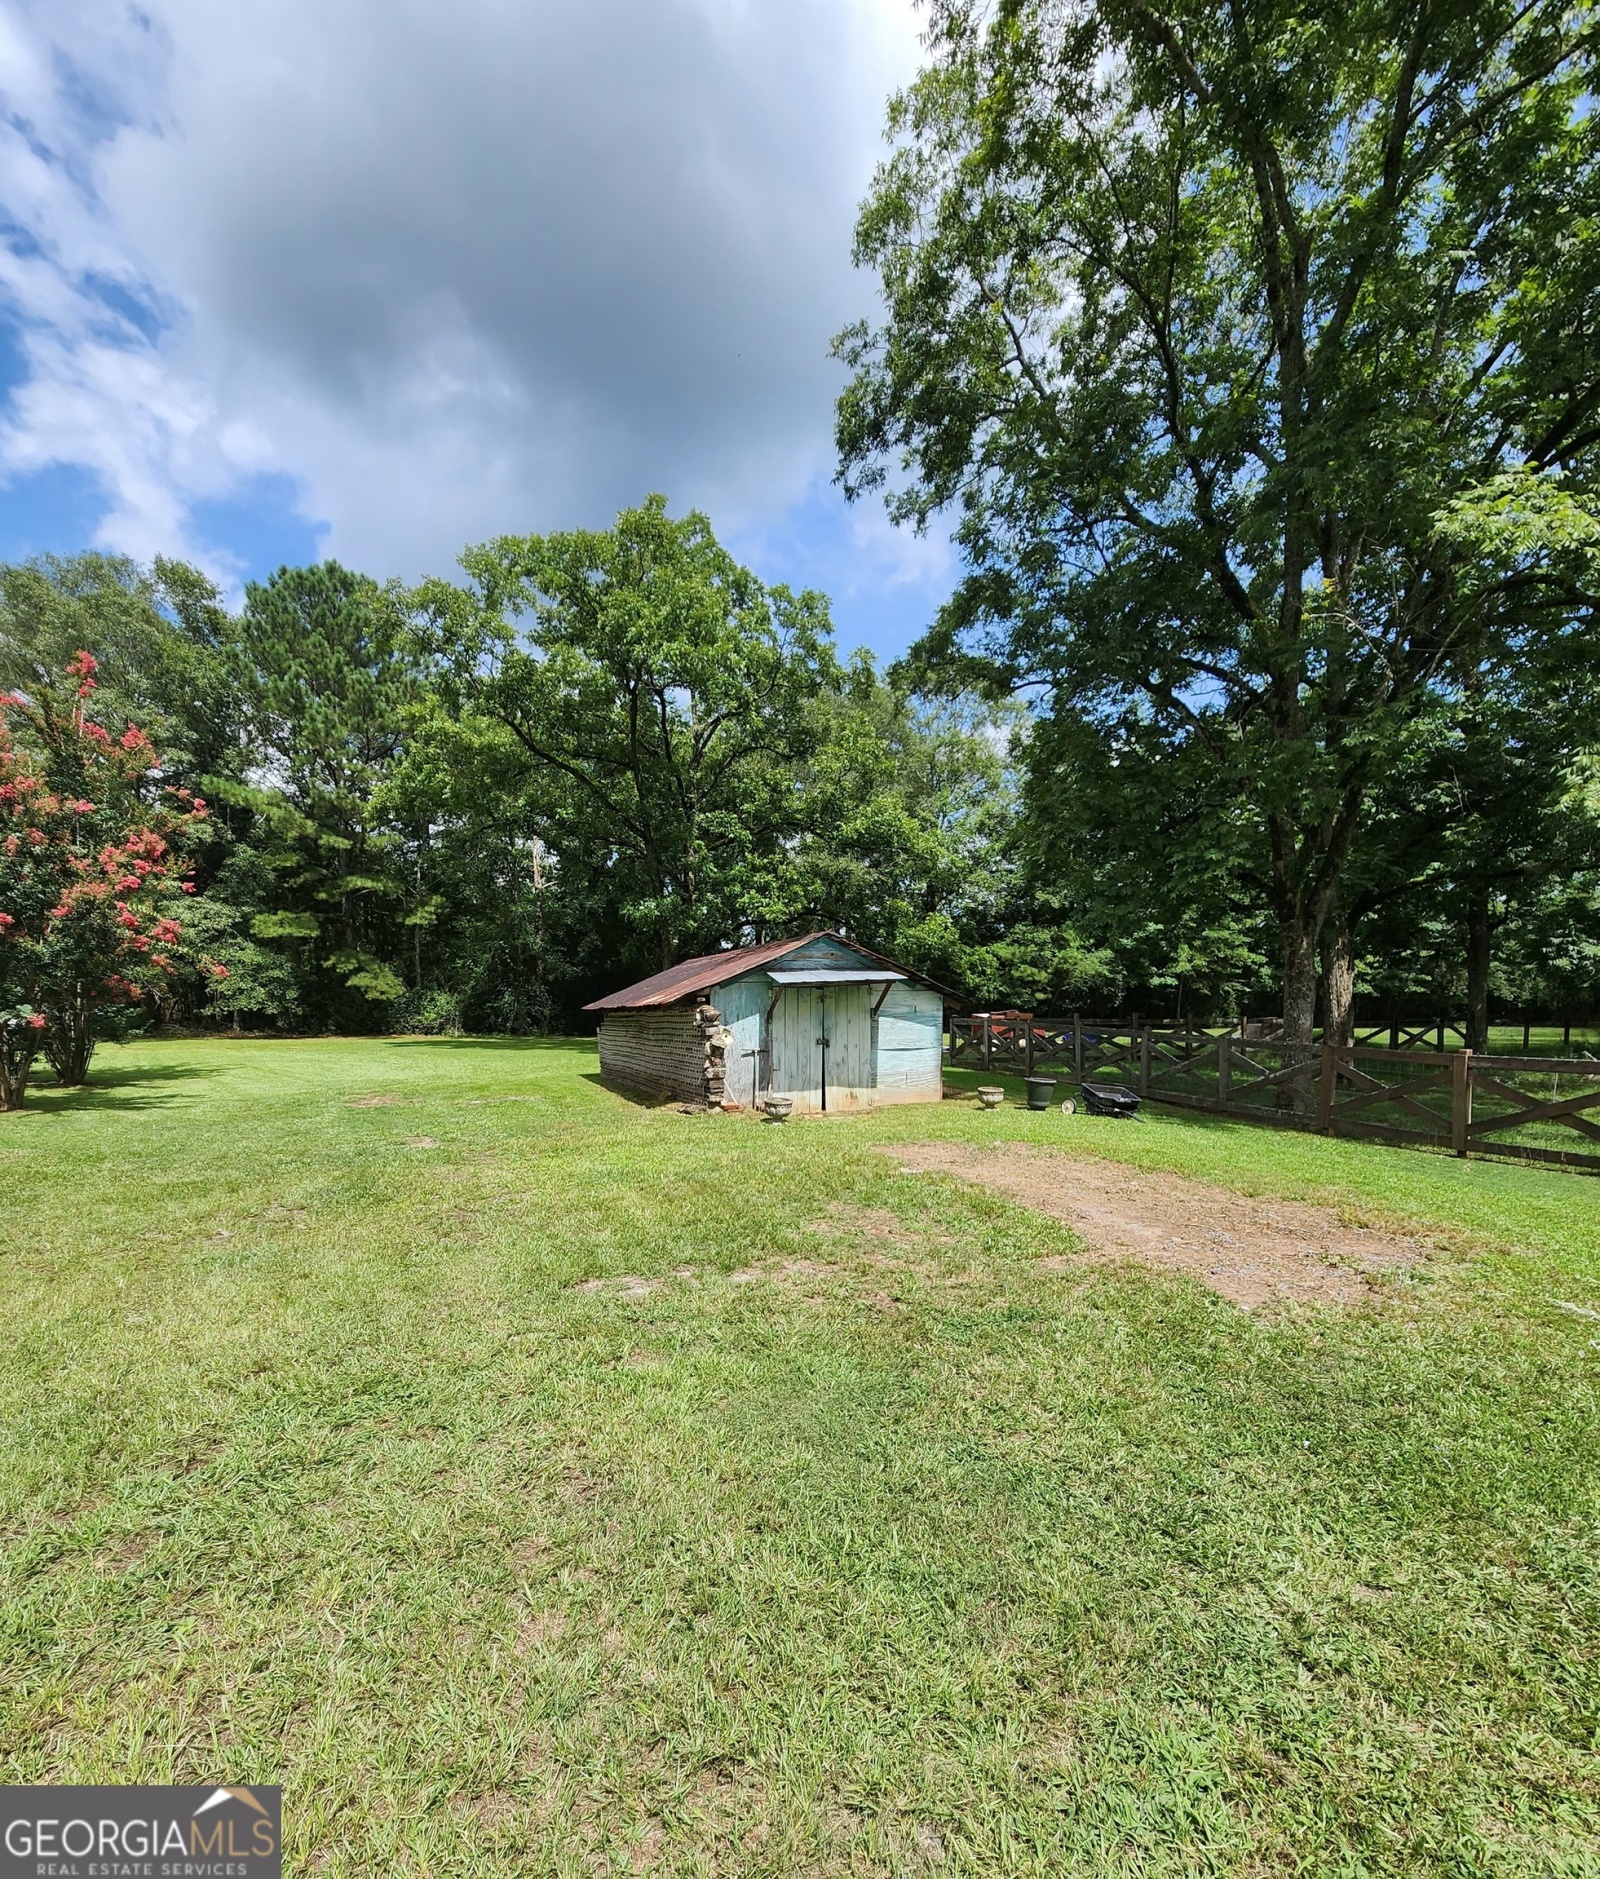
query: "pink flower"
82, 666
36, 1023
219, 972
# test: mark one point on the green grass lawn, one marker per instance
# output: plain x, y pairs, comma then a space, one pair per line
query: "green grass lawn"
324, 1461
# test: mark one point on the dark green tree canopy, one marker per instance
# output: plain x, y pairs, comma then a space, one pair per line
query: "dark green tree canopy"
660, 696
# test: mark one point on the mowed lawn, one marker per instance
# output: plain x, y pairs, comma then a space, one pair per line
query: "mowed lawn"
532, 1482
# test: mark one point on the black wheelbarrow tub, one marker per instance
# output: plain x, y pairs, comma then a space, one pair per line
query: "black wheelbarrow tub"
1109, 1099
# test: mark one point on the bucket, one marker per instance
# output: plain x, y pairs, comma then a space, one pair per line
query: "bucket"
1040, 1090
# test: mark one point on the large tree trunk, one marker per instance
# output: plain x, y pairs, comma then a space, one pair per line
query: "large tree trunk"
1338, 984
69, 1043
1299, 1012
19, 1045
1478, 962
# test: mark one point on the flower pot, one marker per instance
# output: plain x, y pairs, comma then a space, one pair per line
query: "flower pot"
1039, 1089
990, 1097
778, 1107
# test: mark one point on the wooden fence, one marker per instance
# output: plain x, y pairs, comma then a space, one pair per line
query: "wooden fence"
1528, 1108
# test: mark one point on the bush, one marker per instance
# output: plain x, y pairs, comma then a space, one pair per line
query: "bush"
426, 1014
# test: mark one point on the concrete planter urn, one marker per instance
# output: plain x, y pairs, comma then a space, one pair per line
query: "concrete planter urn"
778, 1107
990, 1096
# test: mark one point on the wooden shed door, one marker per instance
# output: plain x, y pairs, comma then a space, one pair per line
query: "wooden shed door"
796, 1037
822, 1046
849, 1034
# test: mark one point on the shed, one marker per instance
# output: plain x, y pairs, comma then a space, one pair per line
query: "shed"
819, 1019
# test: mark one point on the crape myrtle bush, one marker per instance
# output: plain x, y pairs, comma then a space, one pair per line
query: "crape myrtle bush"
92, 878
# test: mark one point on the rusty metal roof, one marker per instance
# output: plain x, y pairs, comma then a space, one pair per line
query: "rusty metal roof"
710, 970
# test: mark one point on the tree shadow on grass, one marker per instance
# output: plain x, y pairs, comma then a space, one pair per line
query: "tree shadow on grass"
635, 1099
106, 1089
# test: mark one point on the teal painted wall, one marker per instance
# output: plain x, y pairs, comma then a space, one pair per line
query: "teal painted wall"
907, 1041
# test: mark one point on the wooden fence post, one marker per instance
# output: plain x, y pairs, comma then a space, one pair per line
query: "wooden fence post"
988, 1044
1460, 1099
1224, 1069
1077, 1045
1325, 1090
1029, 1071
1144, 1061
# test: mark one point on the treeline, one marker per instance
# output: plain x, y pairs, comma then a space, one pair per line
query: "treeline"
476, 804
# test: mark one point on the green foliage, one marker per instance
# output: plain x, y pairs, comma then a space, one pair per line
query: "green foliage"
324, 664
1222, 332
90, 873
659, 696
426, 1014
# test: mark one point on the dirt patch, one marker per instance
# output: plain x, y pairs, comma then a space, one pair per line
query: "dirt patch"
1253, 1251
539, 1630
376, 1102
625, 1285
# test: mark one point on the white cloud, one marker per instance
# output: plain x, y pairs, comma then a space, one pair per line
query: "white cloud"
496, 264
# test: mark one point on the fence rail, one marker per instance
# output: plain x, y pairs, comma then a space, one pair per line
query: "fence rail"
1530, 1108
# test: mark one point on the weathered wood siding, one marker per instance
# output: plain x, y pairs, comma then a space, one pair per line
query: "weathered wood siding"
670, 1051
899, 1061
908, 1046
743, 1004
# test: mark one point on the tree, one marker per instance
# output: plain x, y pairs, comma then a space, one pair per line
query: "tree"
161, 642
659, 696
90, 880
324, 665
1203, 317
1139, 840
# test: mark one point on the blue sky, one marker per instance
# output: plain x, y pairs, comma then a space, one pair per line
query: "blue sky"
374, 278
